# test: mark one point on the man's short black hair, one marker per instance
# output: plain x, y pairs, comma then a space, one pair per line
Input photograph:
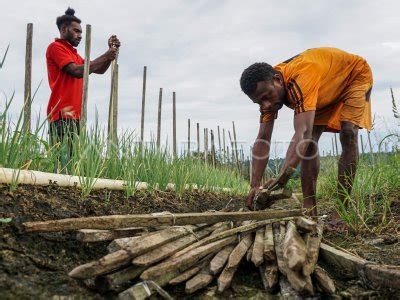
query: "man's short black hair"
255, 73
67, 18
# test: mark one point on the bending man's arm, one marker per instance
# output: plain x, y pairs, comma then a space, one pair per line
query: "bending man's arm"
303, 125
261, 152
98, 65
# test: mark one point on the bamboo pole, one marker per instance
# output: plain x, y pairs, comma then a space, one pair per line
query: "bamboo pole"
159, 119
174, 123
188, 151
143, 106
198, 138
212, 147
28, 78
86, 69
151, 220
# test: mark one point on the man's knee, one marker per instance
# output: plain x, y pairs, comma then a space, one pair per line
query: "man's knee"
348, 135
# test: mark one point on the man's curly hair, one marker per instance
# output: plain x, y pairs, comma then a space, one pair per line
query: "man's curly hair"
255, 73
67, 18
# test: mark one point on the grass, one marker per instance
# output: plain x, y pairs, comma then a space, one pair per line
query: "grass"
91, 159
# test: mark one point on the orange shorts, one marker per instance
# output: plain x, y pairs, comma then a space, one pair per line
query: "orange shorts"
354, 104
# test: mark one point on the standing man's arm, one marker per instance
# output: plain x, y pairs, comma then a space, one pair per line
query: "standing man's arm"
260, 158
303, 125
98, 65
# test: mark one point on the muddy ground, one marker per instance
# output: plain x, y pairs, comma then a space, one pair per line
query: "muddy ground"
35, 266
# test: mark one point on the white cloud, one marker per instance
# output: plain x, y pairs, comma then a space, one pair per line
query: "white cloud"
199, 49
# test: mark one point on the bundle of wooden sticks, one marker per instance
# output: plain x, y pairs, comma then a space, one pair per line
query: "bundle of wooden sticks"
148, 252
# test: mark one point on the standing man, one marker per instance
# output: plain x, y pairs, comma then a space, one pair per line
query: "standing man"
65, 72
329, 90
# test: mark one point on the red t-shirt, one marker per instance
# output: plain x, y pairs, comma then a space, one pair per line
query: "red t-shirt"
66, 90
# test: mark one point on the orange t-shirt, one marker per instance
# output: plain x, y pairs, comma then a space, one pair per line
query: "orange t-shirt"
316, 78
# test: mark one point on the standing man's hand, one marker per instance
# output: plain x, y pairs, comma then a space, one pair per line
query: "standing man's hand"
113, 44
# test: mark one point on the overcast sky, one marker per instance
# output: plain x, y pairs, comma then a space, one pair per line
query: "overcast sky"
199, 49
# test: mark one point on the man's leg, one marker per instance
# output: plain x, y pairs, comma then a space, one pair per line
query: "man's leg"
348, 160
309, 172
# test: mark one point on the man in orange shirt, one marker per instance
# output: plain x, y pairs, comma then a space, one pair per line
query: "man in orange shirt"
329, 90
65, 72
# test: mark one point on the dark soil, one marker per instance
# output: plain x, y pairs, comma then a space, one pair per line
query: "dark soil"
35, 266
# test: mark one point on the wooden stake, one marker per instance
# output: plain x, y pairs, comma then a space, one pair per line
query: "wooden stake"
188, 151
115, 107
313, 241
156, 255
305, 224
198, 138
115, 281
28, 78
362, 144
269, 275
336, 146
200, 280
324, 281
225, 279
153, 220
122, 257
159, 119
186, 260
185, 275
205, 145
294, 249
249, 253
111, 107
219, 142
86, 71
174, 124
236, 148
258, 248
121, 243
269, 251
143, 107
95, 235
223, 143
219, 260
212, 147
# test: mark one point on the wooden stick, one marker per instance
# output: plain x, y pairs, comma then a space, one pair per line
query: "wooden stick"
115, 107
143, 106
122, 257
249, 253
219, 260
205, 145
270, 275
121, 243
219, 142
185, 275
269, 250
188, 151
294, 248
258, 248
174, 124
225, 279
200, 280
236, 148
198, 138
86, 69
298, 281
111, 107
156, 220
159, 119
115, 281
223, 143
350, 266
95, 235
212, 147
171, 248
28, 78
215, 237
362, 144
324, 281
186, 260
305, 224
313, 241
